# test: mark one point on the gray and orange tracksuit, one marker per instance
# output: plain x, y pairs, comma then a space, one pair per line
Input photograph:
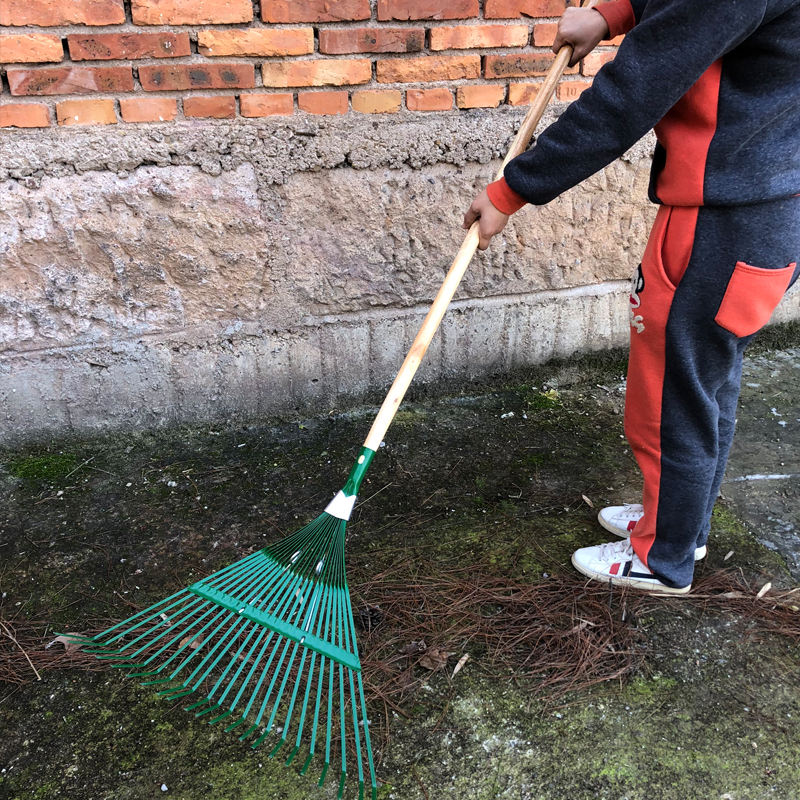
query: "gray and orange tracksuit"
719, 80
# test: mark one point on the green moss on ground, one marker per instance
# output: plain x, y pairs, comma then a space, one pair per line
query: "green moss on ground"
42, 467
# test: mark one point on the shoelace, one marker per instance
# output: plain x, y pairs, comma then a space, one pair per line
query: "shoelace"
614, 551
632, 510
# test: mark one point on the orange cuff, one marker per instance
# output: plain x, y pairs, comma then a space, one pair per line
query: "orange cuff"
619, 16
504, 198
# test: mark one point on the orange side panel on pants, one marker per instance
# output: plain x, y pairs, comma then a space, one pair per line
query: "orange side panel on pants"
686, 133
668, 252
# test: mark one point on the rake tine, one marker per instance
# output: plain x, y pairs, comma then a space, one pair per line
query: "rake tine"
196, 603
227, 618
372, 775
231, 662
316, 715
297, 683
249, 676
233, 634
261, 680
208, 710
238, 672
247, 733
329, 726
193, 706
220, 717
301, 724
274, 679
141, 613
172, 641
235, 725
286, 675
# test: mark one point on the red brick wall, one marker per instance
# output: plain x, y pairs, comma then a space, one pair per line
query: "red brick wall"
82, 62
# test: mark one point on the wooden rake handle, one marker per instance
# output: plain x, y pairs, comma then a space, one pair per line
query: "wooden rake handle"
463, 259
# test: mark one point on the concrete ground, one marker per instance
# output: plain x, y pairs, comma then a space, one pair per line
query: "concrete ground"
490, 480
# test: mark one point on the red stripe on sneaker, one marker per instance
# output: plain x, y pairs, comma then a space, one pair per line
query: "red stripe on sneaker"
614, 569
665, 260
631, 525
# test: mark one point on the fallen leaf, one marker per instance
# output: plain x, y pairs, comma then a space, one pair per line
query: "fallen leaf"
463, 660
764, 589
435, 659
188, 640
587, 501
70, 645
728, 556
413, 648
583, 624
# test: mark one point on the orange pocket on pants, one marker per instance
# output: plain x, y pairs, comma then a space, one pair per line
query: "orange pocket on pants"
752, 295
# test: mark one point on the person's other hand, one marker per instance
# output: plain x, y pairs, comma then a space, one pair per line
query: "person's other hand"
584, 29
491, 220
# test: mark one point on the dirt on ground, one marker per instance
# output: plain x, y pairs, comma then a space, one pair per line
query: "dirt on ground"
490, 487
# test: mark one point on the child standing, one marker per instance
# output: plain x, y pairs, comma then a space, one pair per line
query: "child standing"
720, 82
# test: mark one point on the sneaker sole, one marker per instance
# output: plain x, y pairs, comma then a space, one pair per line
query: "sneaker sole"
699, 554
634, 583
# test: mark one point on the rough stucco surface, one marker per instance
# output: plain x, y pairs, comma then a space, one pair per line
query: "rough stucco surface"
176, 273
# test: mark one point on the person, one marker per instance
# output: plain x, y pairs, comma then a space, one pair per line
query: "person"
719, 80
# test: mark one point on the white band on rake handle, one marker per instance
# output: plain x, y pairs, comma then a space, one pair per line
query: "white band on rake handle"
341, 506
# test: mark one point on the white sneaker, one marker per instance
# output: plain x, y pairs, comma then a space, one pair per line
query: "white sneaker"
621, 520
616, 563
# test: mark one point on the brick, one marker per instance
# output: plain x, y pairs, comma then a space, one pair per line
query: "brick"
467, 36
511, 9
377, 102
485, 96
178, 77
428, 69
106, 46
257, 42
314, 10
266, 105
429, 99
595, 61
316, 73
191, 12
70, 80
43, 13
86, 112
371, 40
221, 107
323, 102
521, 65
427, 9
522, 94
148, 109
544, 34
568, 91
30, 48
24, 115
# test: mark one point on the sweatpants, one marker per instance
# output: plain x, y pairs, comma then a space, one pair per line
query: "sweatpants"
709, 280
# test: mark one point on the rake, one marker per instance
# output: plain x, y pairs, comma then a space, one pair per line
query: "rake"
268, 644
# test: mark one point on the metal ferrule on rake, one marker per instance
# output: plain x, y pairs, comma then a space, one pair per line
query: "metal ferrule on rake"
269, 642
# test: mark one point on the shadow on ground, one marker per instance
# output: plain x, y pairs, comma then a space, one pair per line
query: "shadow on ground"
492, 479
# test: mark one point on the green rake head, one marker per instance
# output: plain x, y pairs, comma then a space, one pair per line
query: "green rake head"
266, 646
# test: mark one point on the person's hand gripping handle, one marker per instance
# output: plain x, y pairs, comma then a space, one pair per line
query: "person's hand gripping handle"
580, 30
